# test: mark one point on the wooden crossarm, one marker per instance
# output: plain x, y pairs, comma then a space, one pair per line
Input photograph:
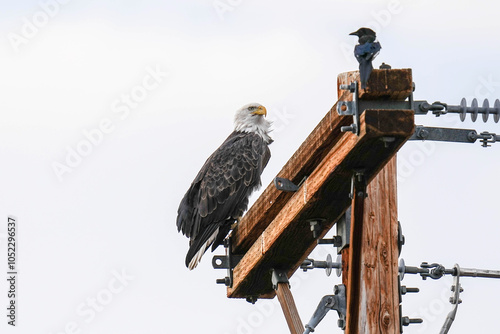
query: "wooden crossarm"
275, 232
395, 84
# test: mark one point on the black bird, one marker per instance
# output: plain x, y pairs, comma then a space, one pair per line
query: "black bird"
365, 52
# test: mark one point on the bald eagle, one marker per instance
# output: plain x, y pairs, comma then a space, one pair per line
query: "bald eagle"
219, 194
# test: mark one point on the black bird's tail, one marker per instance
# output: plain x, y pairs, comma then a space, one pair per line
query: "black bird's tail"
365, 69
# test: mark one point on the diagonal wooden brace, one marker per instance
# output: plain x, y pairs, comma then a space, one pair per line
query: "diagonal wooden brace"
282, 287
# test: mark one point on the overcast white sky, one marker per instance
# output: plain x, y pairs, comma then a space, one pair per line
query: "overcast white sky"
145, 91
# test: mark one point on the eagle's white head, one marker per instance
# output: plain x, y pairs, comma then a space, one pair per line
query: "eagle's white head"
251, 118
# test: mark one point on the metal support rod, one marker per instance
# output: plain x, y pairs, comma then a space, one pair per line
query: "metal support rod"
329, 302
454, 135
436, 271
484, 273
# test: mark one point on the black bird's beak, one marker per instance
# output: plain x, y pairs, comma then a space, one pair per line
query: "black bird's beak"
353, 33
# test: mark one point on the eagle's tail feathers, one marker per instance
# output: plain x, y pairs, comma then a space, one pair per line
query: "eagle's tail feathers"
196, 251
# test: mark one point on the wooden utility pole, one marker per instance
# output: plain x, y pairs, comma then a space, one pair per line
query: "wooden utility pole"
372, 257
275, 234
372, 285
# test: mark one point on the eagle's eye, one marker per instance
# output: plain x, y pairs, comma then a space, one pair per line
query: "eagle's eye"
252, 108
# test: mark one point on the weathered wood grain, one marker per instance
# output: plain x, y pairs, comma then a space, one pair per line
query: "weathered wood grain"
275, 232
395, 84
301, 164
289, 308
383, 84
288, 240
373, 297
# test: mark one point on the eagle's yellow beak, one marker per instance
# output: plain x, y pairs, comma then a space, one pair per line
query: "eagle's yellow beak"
260, 111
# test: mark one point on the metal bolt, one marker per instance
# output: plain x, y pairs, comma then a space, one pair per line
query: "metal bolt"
226, 281
335, 240
405, 321
351, 87
387, 140
351, 128
315, 226
405, 290
472, 136
251, 299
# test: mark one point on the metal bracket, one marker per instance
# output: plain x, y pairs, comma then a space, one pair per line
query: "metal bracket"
444, 134
285, 185
279, 276
453, 135
344, 230
337, 302
350, 108
358, 183
228, 261
342, 239
401, 238
456, 289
